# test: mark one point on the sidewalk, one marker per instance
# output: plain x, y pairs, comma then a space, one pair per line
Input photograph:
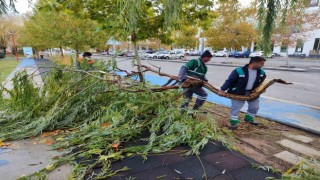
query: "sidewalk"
30, 67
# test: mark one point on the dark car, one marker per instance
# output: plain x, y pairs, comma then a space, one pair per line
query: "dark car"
241, 54
232, 53
149, 52
121, 53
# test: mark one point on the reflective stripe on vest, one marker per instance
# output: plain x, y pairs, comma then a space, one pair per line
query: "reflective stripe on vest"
195, 70
241, 72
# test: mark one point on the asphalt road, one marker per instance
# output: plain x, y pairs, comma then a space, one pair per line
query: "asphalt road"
305, 89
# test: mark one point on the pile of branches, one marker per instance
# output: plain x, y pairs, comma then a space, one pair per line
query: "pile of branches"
104, 111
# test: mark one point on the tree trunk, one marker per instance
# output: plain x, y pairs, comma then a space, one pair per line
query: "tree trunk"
77, 54
61, 51
136, 55
287, 58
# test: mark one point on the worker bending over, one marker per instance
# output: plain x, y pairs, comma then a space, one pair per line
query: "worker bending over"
195, 68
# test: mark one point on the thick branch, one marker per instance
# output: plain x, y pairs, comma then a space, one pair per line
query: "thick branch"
192, 82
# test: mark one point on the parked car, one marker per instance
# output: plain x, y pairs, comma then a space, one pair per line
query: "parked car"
121, 53
222, 54
232, 53
130, 54
179, 55
194, 53
242, 54
149, 51
214, 53
297, 54
261, 54
164, 55
154, 55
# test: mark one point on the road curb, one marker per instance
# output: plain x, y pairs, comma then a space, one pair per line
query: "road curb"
235, 65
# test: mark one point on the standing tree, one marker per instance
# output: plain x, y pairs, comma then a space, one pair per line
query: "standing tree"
186, 37
142, 19
231, 28
9, 24
6, 5
268, 13
299, 26
46, 28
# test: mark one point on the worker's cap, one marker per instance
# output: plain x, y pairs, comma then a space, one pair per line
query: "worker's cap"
206, 54
86, 54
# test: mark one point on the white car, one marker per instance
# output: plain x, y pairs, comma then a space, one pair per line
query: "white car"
154, 55
260, 54
172, 55
164, 55
222, 54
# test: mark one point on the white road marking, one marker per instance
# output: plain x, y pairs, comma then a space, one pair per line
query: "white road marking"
304, 84
296, 83
286, 101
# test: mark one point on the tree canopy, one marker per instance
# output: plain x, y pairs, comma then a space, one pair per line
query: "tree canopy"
153, 18
46, 28
186, 37
231, 29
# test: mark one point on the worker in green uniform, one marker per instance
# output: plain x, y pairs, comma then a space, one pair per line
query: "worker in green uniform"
195, 68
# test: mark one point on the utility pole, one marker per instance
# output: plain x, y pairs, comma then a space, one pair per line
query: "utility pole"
14, 45
201, 39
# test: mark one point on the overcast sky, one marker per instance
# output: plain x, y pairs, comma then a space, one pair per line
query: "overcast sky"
23, 6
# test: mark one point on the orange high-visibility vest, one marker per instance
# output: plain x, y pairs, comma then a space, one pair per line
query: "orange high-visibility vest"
90, 61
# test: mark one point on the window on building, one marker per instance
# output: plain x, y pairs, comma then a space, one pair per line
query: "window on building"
284, 48
299, 46
314, 3
316, 46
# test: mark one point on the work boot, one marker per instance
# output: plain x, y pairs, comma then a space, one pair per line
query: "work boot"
192, 114
234, 124
233, 127
183, 109
250, 120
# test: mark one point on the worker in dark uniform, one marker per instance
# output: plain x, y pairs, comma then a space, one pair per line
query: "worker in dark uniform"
242, 81
195, 68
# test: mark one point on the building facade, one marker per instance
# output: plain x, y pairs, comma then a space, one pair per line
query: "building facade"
310, 46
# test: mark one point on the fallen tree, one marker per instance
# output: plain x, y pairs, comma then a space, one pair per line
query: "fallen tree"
103, 112
192, 82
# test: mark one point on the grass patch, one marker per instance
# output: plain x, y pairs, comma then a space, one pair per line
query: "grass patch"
6, 67
67, 60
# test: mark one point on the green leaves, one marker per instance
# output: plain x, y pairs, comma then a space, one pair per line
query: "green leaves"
114, 156
105, 119
95, 151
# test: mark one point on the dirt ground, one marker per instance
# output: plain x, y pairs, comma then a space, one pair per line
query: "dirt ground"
260, 143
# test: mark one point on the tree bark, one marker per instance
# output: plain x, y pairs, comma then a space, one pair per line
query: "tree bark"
61, 51
193, 82
137, 57
77, 54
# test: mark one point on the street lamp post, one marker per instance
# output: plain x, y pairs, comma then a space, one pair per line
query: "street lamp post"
14, 45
